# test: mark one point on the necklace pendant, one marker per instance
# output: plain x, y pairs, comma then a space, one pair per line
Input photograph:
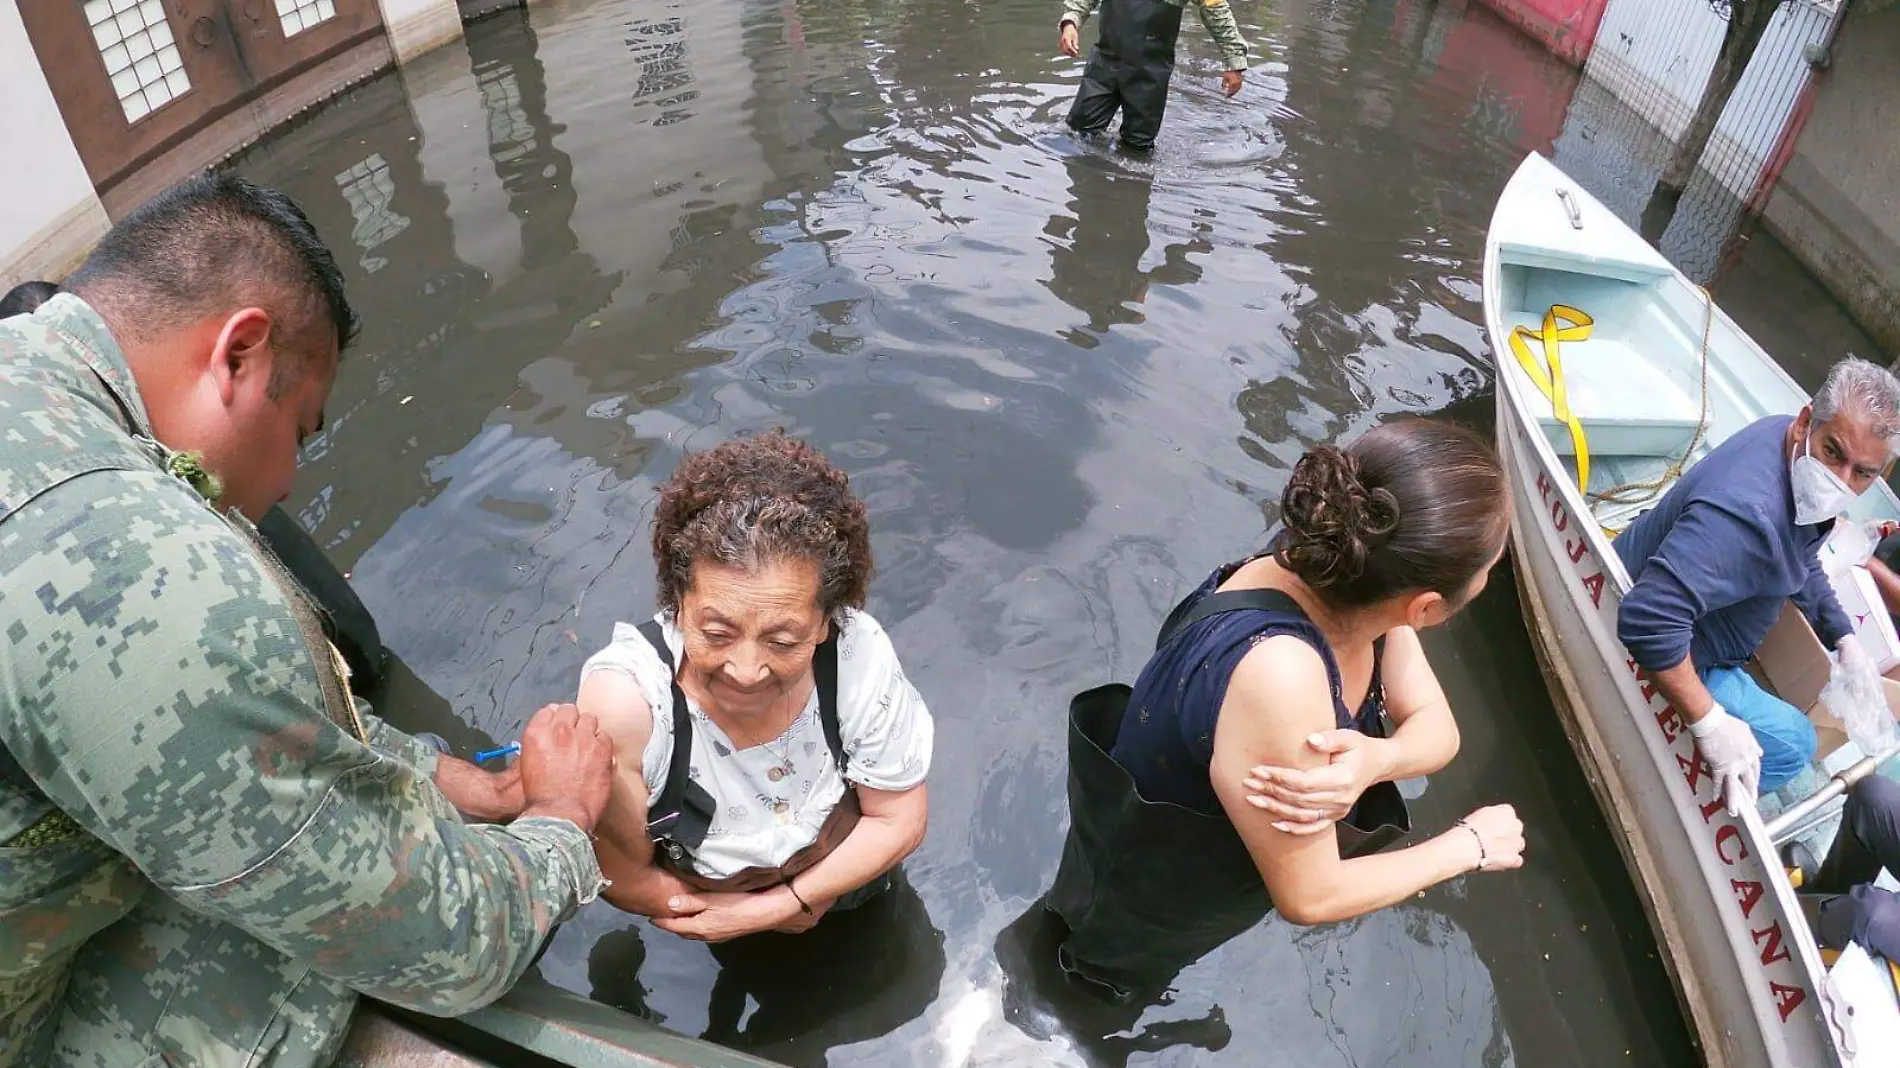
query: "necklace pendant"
778, 772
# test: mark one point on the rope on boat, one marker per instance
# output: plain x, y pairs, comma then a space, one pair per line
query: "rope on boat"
1576, 326
1643, 492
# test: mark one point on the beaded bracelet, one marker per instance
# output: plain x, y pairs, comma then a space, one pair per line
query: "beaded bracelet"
1482, 857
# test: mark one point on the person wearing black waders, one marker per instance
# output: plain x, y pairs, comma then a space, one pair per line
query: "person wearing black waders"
1251, 768
1133, 59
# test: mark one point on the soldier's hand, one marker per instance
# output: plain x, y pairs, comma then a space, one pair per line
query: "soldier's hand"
1231, 81
1071, 40
483, 796
566, 766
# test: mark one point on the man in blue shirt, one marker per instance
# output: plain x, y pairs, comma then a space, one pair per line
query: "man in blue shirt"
1713, 562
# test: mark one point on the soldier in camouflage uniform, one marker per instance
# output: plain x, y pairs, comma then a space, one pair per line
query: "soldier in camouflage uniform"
208, 848
1133, 60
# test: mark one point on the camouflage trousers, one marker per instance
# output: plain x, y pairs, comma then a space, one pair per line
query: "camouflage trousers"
167, 988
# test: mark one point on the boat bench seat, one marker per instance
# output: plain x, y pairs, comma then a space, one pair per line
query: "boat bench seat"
1627, 405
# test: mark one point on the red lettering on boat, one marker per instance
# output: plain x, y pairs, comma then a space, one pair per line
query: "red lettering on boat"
1722, 836
1649, 686
1594, 584
1543, 485
1559, 516
1670, 722
1714, 806
1787, 998
1576, 551
1774, 951
1693, 770
1748, 892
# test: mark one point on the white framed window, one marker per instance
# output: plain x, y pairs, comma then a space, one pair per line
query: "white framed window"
299, 15
508, 125
369, 189
141, 56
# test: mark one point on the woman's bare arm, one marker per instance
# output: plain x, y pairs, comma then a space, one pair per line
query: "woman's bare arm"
623, 848
892, 828
1279, 695
1426, 734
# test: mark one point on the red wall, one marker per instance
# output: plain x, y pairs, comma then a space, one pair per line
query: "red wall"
1566, 27
1479, 57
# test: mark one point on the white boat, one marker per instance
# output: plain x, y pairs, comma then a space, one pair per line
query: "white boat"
533, 1024
1656, 378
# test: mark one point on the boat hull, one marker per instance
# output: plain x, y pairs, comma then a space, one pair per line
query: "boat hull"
535, 1023
1737, 946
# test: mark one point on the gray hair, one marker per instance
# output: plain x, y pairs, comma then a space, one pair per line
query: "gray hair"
1867, 391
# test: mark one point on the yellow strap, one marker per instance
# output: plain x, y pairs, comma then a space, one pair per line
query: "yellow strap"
1551, 384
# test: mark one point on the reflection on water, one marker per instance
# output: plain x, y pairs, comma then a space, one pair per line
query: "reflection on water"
862, 973
1066, 383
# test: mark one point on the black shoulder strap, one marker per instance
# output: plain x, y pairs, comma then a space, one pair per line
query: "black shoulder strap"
1214, 604
825, 672
824, 668
1375, 696
679, 771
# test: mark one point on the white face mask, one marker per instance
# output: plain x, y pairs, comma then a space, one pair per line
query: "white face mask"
1819, 494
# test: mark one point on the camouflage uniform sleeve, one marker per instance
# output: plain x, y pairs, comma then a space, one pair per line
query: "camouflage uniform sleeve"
1218, 17
1077, 11
419, 754
155, 682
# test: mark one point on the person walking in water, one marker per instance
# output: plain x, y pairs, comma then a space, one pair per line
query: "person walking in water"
1134, 58
1251, 767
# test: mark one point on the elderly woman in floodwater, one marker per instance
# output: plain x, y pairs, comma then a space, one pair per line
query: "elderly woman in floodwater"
771, 753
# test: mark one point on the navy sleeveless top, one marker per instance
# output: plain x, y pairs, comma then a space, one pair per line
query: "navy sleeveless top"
1167, 736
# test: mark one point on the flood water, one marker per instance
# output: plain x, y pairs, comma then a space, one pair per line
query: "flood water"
1067, 384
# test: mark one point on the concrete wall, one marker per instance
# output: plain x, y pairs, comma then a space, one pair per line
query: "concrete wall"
49, 214
1838, 204
416, 26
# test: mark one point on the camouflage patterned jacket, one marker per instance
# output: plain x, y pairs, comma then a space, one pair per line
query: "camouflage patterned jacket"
1216, 15
218, 848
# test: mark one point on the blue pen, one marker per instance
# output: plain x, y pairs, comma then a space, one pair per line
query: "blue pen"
487, 755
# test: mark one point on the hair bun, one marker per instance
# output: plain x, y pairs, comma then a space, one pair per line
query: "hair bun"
1333, 522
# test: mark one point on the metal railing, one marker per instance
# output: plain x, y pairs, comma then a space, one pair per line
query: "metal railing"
1802, 816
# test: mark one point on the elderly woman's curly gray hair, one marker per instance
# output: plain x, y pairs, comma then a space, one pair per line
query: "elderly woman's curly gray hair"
1864, 391
758, 500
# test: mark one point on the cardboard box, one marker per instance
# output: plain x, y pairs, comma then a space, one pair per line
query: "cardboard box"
1794, 666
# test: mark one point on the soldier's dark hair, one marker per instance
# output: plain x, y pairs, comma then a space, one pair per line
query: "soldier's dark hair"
216, 243
1412, 505
25, 297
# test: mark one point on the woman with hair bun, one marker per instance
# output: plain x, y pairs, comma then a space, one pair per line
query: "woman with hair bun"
1251, 766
